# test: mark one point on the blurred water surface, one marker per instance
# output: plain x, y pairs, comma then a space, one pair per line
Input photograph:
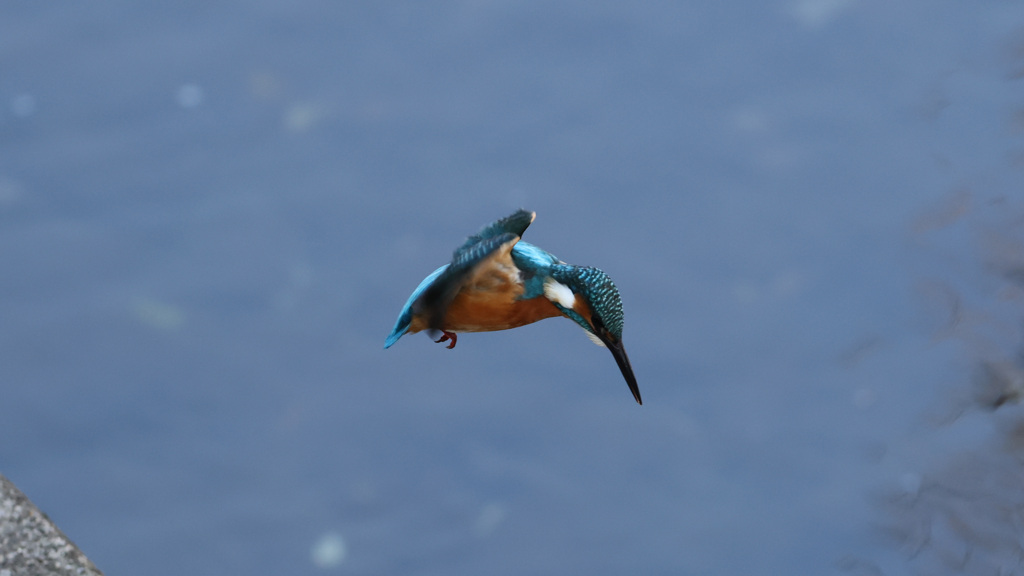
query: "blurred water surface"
211, 213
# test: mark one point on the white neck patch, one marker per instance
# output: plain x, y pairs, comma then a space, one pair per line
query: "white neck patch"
594, 338
559, 293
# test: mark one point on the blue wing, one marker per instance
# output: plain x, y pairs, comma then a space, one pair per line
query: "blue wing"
432, 297
433, 303
405, 316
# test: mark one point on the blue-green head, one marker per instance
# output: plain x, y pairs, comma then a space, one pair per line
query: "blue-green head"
592, 300
589, 297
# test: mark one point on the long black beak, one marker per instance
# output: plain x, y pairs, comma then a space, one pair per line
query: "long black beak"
627, 370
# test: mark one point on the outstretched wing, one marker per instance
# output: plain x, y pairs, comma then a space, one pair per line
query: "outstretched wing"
435, 293
405, 316
493, 243
516, 224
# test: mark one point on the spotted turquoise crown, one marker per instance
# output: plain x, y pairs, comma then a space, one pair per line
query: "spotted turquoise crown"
598, 290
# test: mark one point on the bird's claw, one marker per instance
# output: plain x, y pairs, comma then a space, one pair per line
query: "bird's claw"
445, 336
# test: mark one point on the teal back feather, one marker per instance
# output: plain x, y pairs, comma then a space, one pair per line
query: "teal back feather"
534, 266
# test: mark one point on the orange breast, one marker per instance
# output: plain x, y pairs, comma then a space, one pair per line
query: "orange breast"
472, 311
487, 311
488, 300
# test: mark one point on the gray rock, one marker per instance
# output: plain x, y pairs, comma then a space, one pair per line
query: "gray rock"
30, 544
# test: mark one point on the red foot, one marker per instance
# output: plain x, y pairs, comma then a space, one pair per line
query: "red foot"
445, 336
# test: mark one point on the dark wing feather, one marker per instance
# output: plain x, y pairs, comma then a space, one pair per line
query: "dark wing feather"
434, 302
516, 224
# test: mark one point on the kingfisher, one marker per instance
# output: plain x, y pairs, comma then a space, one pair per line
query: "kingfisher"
496, 281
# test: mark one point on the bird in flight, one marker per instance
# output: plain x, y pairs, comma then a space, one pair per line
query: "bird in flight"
495, 281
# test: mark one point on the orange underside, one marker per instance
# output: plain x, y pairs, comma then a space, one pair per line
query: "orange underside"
476, 311
489, 301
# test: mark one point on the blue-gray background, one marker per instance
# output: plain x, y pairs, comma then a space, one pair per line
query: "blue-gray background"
211, 213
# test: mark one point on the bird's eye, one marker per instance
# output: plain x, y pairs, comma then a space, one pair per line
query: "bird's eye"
598, 324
